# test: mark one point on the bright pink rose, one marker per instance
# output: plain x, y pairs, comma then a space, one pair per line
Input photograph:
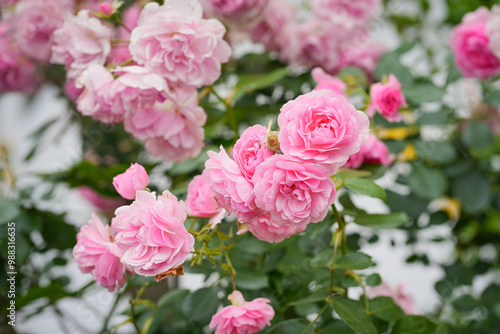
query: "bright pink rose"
96, 253
80, 41
322, 127
405, 301
471, 46
357, 13
200, 201
250, 150
95, 100
493, 30
374, 151
231, 190
151, 233
326, 81
266, 229
292, 191
103, 203
242, 317
136, 88
175, 41
133, 179
387, 99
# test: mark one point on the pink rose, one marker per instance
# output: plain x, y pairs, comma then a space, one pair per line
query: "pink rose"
405, 301
231, 190
471, 46
151, 233
96, 253
493, 30
133, 179
95, 100
103, 203
80, 41
200, 201
120, 52
322, 127
236, 7
357, 13
387, 99
242, 317
363, 55
374, 151
70, 89
266, 229
175, 41
17, 72
250, 150
136, 88
35, 21
326, 81
293, 192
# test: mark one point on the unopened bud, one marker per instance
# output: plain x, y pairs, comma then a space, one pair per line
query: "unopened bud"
272, 142
106, 9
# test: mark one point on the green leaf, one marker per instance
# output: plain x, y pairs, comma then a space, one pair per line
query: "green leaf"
389, 63
201, 305
435, 151
251, 280
373, 280
423, 92
473, 192
353, 315
251, 82
292, 326
414, 324
172, 296
382, 220
354, 261
312, 298
427, 182
366, 187
477, 136
493, 98
385, 309
8, 211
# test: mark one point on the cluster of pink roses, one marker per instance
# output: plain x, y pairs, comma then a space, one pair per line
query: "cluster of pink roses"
147, 237
172, 50
475, 43
313, 42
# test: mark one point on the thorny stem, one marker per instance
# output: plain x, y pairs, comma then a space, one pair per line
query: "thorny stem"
228, 260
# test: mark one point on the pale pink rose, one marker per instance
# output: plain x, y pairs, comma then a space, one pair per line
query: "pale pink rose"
133, 179
175, 41
293, 192
471, 46
270, 31
231, 190
322, 127
387, 98
80, 41
363, 55
327, 81
151, 233
250, 150
101, 202
374, 151
136, 88
17, 72
200, 201
242, 317
120, 52
405, 301
356, 13
235, 7
96, 253
266, 229
95, 99
70, 89
493, 30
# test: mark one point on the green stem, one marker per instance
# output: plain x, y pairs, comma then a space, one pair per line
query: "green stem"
315, 319
230, 112
110, 314
332, 267
132, 316
232, 272
342, 224
360, 281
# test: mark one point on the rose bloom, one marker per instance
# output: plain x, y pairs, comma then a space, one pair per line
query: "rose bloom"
35, 21
364, 55
293, 192
250, 150
200, 201
96, 253
387, 98
175, 41
133, 179
405, 301
95, 99
493, 30
136, 88
80, 41
266, 229
357, 13
242, 317
236, 7
374, 151
70, 89
322, 127
151, 233
471, 46
327, 81
231, 190
103, 203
